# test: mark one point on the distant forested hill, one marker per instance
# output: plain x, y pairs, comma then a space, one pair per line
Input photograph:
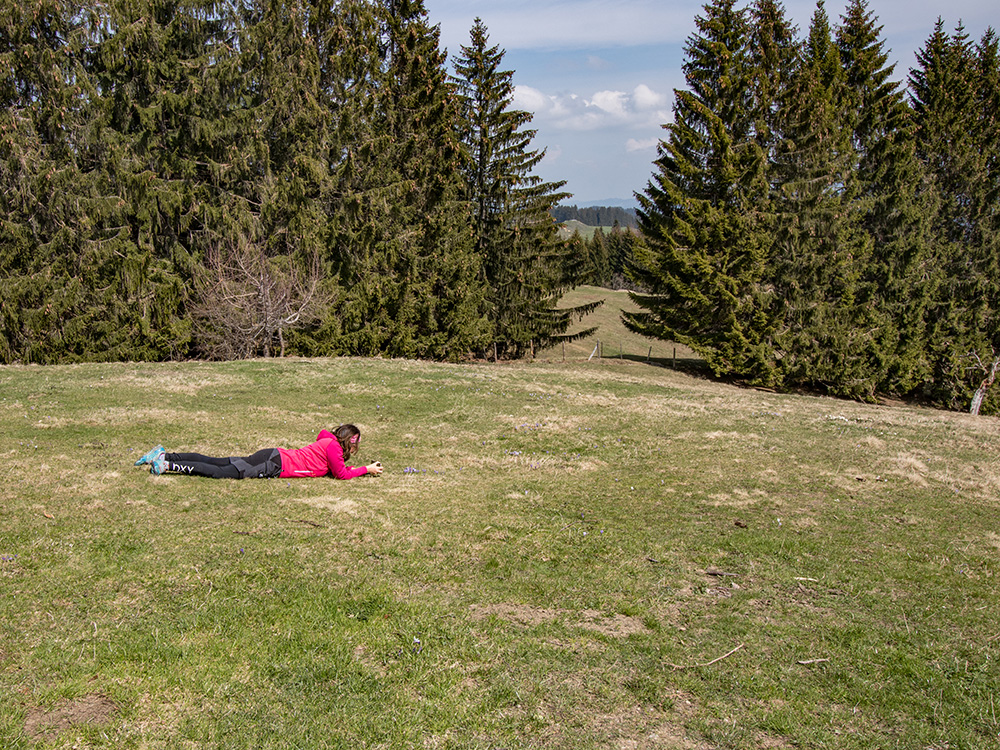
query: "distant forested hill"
596, 216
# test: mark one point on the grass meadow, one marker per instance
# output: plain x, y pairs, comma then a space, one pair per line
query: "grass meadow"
612, 340
584, 554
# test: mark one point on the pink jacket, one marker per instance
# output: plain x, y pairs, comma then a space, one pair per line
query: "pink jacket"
323, 457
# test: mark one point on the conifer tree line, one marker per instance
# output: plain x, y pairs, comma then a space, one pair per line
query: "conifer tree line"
597, 216
814, 222
607, 257
238, 178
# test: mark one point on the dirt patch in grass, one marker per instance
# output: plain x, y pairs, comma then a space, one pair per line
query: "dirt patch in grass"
521, 614
741, 498
770, 742
87, 710
630, 728
661, 735
616, 626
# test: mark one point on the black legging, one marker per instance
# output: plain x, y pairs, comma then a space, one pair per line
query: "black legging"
263, 464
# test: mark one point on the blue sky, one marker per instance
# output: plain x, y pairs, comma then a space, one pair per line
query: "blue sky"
599, 75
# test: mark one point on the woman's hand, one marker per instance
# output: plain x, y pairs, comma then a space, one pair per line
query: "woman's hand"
375, 468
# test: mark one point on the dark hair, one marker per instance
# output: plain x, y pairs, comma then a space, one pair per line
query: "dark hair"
349, 438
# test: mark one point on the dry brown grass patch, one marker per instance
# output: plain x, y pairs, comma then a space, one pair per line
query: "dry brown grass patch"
740, 498
615, 626
87, 710
189, 383
910, 468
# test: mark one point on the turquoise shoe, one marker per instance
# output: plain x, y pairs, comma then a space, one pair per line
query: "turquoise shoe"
159, 465
151, 456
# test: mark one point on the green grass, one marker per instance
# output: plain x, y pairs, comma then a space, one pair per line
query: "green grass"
557, 556
616, 341
568, 228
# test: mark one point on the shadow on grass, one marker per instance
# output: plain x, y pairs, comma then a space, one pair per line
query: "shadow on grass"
694, 366
691, 365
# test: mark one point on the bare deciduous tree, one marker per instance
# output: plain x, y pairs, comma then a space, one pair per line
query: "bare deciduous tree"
247, 300
989, 370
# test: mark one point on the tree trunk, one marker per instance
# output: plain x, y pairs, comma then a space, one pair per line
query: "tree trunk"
980, 394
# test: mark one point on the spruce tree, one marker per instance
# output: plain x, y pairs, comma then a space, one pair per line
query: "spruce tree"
599, 259
526, 267
163, 71
892, 202
988, 105
583, 251
403, 237
68, 291
621, 254
988, 135
703, 215
949, 87
772, 57
40, 238
820, 247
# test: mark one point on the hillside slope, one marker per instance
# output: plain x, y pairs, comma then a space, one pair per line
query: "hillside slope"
616, 340
570, 227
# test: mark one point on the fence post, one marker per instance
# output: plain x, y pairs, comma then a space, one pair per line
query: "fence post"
674, 366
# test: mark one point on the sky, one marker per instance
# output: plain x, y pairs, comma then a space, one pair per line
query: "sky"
599, 76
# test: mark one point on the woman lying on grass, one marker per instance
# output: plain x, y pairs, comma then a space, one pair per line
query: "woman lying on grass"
324, 457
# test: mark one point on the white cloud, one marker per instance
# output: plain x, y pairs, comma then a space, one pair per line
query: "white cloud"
613, 103
642, 108
531, 100
645, 98
644, 144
